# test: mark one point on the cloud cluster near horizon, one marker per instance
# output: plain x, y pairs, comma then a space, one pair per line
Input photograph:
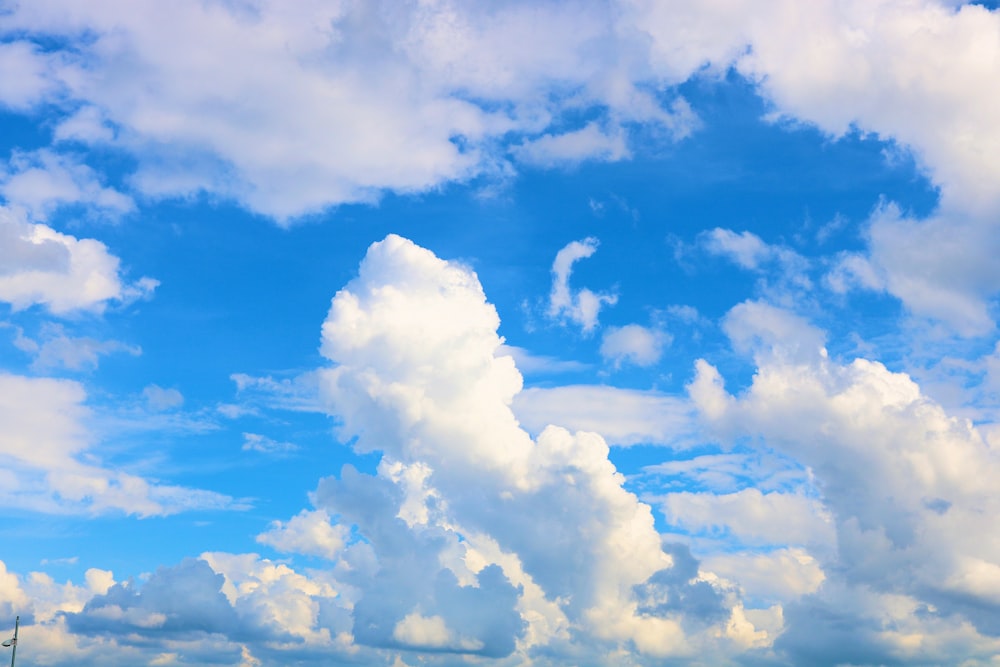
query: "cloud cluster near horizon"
468, 511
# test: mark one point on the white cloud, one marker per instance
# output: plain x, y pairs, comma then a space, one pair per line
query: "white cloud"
52, 461
748, 251
296, 393
530, 364
942, 267
218, 609
39, 600
309, 532
346, 120
907, 485
685, 313
621, 416
730, 472
918, 74
856, 625
39, 265
77, 353
588, 143
55, 349
913, 72
783, 574
40, 181
159, 399
746, 248
25, 76
255, 442
753, 518
267, 595
353, 99
424, 632
581, 306
635, 344
431, 632
86, 126
758, 328
853, 270
417, 378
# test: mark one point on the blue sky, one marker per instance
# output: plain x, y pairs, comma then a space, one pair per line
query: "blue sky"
438, 333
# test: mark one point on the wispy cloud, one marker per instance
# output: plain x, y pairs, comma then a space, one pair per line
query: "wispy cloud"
581, 306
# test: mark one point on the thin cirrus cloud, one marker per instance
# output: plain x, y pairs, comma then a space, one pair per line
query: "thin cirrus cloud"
56, 349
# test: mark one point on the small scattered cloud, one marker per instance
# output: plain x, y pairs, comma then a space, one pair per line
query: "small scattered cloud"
87, 125
55, 349
828, 229
686, 314
254, 442
745, 248
43, 180
309, 532
298, 393
750, 252
582, 306
729, 472
72, 560
159, 399
234, 411
614, 202
588, 143
40, 266
634, 344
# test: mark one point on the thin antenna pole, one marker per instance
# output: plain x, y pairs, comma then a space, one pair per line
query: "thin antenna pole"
13, 648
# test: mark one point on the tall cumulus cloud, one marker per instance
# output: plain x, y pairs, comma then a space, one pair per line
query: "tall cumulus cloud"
476, 501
